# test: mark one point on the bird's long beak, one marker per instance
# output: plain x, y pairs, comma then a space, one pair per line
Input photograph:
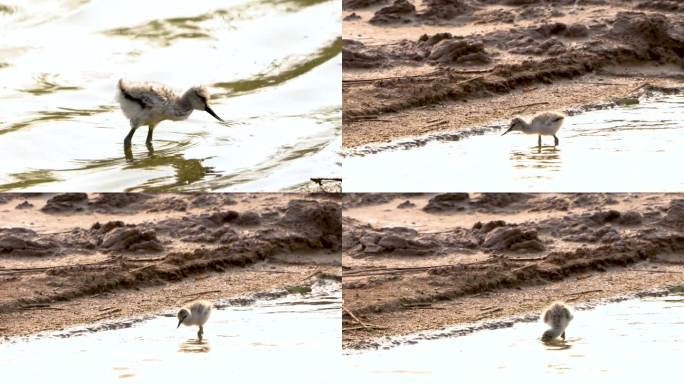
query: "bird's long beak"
211, 112
179, 323
508, 130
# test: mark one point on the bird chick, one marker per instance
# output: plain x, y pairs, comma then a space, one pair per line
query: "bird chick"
543, 124
557, 316
151, 103
197, 313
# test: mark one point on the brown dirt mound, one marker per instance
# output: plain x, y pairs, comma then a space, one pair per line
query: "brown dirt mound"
662, 5
675, 213
109, 201
317, 220
401, 11
131, 239
356, 55
66, 202
457, 51
351, 200
21, 242
445, 9
24, 205
499, 200
513, 239
174, 204
447, 202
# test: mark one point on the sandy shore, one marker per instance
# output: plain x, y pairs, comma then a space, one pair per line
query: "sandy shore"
415, 67
421, 262
75, 258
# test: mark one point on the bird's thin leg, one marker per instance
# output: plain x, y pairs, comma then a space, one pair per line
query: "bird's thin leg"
128, 154
127, 140
563, 335
200, 332
150, 130
150, 148
556, 140
539, 141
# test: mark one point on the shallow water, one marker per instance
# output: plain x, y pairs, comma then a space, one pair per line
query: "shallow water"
272, 66
631, 148
633, 341
267, 341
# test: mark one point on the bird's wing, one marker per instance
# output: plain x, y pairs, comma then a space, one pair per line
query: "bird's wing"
551, 117
147, 95
567, 313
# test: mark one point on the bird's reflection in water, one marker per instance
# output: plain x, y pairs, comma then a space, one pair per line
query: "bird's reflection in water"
187, 171
545, 157
557, 345
128, 152
194, 346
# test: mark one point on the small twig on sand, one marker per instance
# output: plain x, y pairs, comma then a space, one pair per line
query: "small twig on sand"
146, 260
597, 83
41, 306
111, 312
417, 305
365, 325
526, 258
318, 272
361, 81
465, 72
9, 271
437, 124
201, 293
526, 106
363, 117
391, 271
107, 315
486, 314
345, 329
524, 267
639, 87
655, 271
585, 292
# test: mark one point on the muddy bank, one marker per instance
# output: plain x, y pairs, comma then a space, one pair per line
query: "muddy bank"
481, 51
415, 267
69, 248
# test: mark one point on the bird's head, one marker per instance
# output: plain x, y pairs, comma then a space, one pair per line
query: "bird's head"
198, 98
517, 124
548, 335
182, 315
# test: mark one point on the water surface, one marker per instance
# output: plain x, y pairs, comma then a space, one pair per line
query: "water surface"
272, 66
628, 148
295, 337
634, 341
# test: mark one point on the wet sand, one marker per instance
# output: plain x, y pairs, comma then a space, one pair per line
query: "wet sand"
72, 259
412, 68
416, 262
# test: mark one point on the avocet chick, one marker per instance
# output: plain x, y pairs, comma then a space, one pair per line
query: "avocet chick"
544, 124
151, 103
557, 316
196, 313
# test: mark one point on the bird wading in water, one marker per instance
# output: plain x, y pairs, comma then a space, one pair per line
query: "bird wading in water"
150, 103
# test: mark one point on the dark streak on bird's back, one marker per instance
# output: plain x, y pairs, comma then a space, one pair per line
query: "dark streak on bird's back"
131, 98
